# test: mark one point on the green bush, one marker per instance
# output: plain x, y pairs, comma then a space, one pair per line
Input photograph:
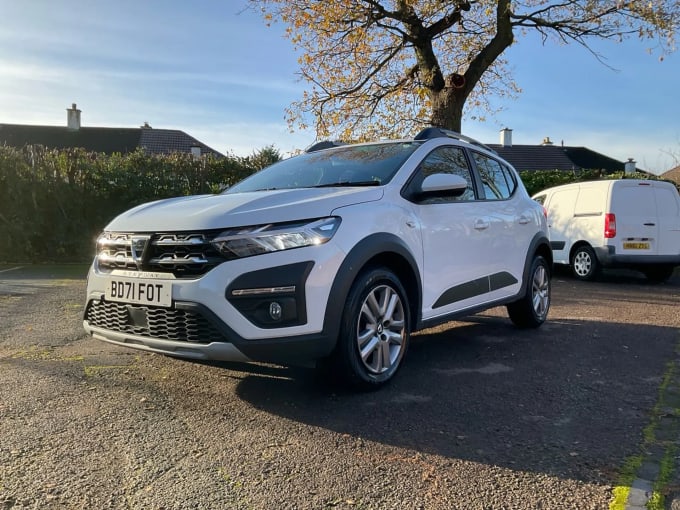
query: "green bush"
53, 203
536, 181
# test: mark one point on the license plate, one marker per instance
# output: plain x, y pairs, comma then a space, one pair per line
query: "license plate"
636, 246
143, 292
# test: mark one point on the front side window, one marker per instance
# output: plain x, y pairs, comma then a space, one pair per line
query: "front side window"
497, 180
445, 160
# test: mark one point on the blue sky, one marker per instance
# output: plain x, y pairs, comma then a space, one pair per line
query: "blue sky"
214, 70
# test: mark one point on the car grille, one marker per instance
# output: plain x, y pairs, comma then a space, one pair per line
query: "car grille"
153, 322
185, 254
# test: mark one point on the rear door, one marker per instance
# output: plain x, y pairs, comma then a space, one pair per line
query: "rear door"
637, 225
668, 209
511, 224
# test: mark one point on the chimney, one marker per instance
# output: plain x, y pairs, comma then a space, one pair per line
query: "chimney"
546, 141
73, 117
506, 137
629, 166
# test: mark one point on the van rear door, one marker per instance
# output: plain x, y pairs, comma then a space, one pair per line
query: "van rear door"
668, 208
637, 226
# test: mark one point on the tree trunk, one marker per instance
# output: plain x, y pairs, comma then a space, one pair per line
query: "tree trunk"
447, 108
448, 102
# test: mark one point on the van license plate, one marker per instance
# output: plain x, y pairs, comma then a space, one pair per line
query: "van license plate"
636, 246
143, 292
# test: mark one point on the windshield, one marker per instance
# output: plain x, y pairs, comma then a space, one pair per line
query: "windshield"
352, 165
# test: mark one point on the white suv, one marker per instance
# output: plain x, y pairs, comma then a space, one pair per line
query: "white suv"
333, 256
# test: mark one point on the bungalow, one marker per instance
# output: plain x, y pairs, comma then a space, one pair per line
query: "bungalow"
102, 139
672, 175
548, 156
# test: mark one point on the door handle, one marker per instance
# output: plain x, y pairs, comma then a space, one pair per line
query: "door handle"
481, 225
650, 224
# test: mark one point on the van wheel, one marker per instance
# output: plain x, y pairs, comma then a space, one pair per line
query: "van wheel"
584, 263
532, 309
374, 330
658, 273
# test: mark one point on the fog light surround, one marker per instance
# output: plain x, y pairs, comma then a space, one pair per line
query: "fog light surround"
273, 297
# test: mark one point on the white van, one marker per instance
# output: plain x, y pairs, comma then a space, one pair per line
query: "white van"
627, 223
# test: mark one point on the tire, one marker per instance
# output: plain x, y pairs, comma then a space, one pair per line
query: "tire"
584, 264
658, 273
374, 331
531, 310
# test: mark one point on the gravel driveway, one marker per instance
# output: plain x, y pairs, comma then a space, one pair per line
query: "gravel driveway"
481, 416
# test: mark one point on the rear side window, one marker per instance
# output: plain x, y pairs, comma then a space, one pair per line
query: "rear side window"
497, 180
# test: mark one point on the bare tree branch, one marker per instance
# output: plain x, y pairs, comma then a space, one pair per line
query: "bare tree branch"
382, 65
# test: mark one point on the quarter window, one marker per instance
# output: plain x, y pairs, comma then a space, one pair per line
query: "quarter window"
497, 180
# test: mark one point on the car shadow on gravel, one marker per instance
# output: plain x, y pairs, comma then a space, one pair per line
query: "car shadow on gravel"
570, 399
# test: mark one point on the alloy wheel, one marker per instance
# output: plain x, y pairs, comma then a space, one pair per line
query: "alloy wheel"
381, 329
541, 291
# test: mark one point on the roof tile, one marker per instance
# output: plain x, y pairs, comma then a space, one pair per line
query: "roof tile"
102, 139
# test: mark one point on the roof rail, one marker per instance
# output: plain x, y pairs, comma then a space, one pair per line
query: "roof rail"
324, 144
436, 132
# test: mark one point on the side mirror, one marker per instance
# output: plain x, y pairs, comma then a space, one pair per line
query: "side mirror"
443, 185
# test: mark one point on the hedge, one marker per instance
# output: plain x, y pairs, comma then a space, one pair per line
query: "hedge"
537, 181
53, 203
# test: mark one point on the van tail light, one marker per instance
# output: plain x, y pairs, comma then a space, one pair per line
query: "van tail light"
545, 212
609, 225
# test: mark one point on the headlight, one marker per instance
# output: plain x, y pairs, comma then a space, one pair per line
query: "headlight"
245, 242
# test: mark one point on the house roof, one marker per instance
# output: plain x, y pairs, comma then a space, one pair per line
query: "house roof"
102, 139
672, 175
556, 157
166, 141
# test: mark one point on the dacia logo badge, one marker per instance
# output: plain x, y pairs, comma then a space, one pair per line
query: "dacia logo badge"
138, 249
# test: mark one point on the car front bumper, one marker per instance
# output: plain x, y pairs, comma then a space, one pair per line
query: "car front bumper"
223, 315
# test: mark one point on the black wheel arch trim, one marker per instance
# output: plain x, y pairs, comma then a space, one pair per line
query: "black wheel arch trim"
539, 243
361, 254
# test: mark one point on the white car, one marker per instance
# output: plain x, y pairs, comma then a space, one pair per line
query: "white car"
334, 256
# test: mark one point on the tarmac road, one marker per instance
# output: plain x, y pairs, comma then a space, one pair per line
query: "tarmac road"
481, 416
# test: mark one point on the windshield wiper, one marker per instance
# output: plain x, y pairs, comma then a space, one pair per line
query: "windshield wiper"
348, 184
